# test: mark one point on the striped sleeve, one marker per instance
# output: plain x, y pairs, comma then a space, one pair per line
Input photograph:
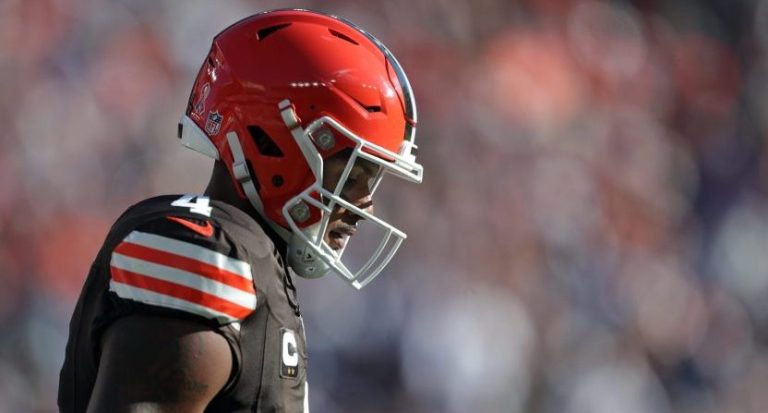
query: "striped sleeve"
167, 272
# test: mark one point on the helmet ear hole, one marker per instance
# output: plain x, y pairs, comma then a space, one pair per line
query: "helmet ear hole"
264, 142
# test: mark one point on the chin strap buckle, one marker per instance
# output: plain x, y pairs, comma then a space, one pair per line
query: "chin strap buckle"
239, 166
288, 114
308, 149
240, 171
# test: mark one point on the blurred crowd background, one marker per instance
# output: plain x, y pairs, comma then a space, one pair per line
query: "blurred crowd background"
591, 235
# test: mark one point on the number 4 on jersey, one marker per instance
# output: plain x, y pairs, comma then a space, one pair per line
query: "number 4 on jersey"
199, 206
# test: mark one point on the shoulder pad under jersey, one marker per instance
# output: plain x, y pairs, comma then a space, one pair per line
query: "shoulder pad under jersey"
166, 265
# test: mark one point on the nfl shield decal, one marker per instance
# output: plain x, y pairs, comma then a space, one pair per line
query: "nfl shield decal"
213, 123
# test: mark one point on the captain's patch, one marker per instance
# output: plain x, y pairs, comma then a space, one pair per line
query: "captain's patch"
289, 354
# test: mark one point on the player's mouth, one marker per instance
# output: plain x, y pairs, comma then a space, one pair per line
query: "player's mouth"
339, 235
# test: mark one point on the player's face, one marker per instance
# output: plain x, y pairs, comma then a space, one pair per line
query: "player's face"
357, 191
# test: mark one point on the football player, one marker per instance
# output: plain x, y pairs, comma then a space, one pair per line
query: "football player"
189, 305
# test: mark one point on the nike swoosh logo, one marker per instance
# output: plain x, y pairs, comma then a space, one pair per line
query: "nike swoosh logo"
204, 230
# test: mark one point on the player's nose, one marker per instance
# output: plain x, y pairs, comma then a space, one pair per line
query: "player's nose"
366, 204
360, 196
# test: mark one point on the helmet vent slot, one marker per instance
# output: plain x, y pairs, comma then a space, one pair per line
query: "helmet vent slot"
264, 143
368, 108
343, 36
263, 33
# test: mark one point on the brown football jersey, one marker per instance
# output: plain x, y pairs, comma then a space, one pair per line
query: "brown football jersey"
193, 258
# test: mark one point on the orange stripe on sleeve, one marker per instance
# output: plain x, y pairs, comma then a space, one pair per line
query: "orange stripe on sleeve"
181, 292
186, 264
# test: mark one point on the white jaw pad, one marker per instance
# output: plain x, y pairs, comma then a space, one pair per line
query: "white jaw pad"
302, 258
194, 138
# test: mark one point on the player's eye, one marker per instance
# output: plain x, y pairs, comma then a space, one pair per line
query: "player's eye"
351, 183
357, 182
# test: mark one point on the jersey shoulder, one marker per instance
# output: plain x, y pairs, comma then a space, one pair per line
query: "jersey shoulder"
178, 253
